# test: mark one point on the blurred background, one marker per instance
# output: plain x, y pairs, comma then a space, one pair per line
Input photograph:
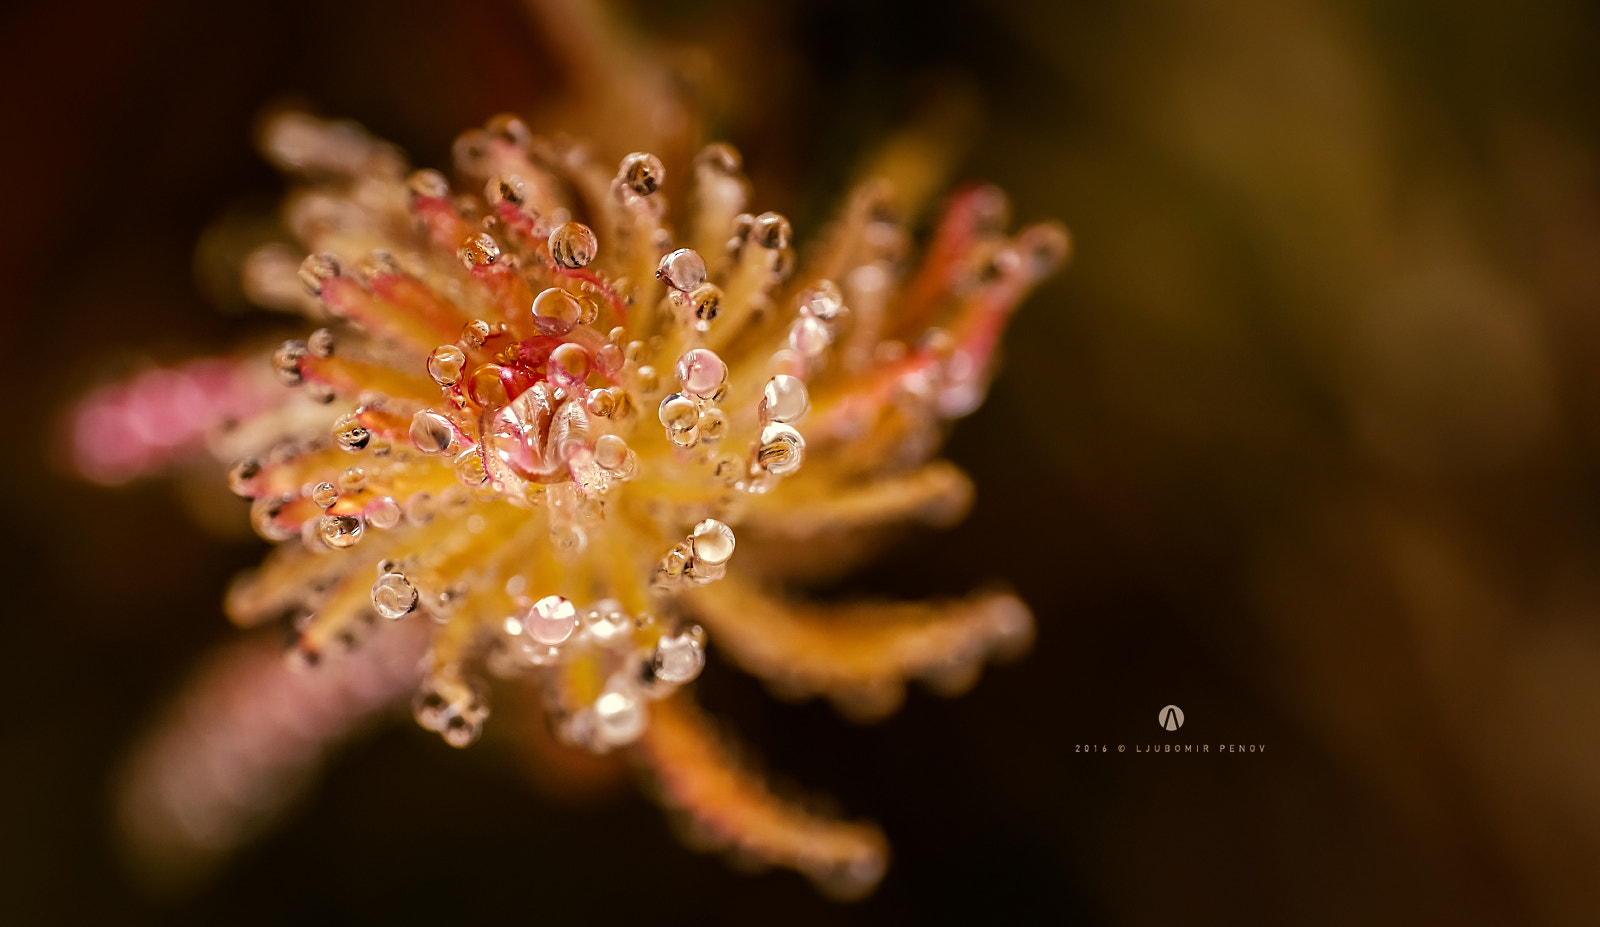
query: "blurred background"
1306, 441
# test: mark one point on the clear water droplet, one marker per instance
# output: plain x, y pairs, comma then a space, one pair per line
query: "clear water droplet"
469, 468
286, 361
824, 302
713, 424
510, 129
320, 344
683, 270
431, 432
429, 183
393, 596
350, 434
340, 531
475, 333
352, 480
383, 513
720, 157
487, 386
705, 302
610, 451
809, 336
317, 268
784, 399
771, 230
445, 363
678, 412
324, 495
712, 541
619, 718
506, 188
569, 365
551, 620
573, 245
556, 311
680, 658
479, 250
601, 402
642, 173
701, 372
781, 451
240, 475
608, 624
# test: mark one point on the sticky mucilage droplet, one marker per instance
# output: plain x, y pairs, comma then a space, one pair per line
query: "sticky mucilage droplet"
556, 311
573, 245
393, 596
683, 270
642, 173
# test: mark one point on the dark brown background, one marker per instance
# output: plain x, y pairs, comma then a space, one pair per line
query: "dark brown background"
1306, 441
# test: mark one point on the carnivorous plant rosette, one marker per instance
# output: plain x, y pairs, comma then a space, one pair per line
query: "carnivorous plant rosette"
561, 421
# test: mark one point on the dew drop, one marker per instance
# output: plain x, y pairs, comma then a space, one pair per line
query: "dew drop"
824, 302
350, 434
509, 129
784, 399
683, 269
445, 363
264, 514
352, 480
728, 469
320, 344
340, 531
556, 311
706, 302
618, 717
240, 475
771, 230
809, 336
383, 513
720, 157
701, 372
393, 596
712, 424
286, 362
419, 508
601, 402
678, 412
642, 172
506, 188
479, 250
475, 333
487, 386
469, 468
680, 658
781, 450
550, 620
324, 495
431, 432
610, 451
608, 623
609, 359
573, 245
317, 268
569, 364
429, 183
712, 541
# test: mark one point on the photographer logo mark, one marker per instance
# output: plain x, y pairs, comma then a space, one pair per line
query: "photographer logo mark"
1171, 718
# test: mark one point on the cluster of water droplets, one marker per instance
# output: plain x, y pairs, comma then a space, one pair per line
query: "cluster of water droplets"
538, 408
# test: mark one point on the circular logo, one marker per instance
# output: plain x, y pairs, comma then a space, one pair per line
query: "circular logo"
1171, 718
